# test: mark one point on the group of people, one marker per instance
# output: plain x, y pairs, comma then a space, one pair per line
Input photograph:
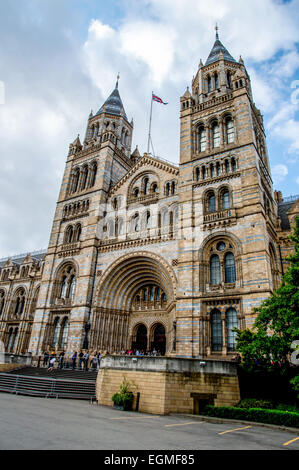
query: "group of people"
82, 360
85, 360
140, 352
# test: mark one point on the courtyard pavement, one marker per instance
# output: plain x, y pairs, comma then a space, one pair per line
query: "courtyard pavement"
48, 424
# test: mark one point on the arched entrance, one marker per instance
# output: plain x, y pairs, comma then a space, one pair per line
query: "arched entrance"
140, 339
159, 339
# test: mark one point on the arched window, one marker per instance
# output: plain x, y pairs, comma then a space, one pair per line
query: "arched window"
173, 187
230, 130
167, 191
76, 180
233, 164
72, 286
2, 301
218, 169
63, 287
64, 332
212, 170
209, 84
148, 219
146, 185
203, 172
225, 199
202, 139
230, 268
197, 173
69, 233
19, 302
84, 177
215, 274
212, 203
78, 231
231, 323
216, 81
56, 333
136, 224
120, 226
226, 166
216, 134
229, 79
93, 174
216, 330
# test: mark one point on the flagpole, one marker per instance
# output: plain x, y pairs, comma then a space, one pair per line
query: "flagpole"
150, 125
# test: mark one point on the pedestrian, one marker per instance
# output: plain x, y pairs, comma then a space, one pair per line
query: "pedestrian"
46, 359
85, 359
51, 363
155, 352
94, 361
74, 359
99, 360
60, 360
80, 360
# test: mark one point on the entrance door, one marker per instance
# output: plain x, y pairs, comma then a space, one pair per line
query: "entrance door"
141, 339
159, 342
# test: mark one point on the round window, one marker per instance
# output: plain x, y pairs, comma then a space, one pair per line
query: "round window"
221, 246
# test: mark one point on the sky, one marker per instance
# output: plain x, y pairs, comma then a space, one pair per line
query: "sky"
59, 60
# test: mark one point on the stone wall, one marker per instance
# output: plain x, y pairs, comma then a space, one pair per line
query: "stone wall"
169, 385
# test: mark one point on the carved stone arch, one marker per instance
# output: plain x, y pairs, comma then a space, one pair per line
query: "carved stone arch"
205, 253
61, 270
125, 276
205, 198
220, 190
140, 176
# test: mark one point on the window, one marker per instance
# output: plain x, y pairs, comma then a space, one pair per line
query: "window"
136, 223
230, 268
56, 332
216, 81
212, 203
148, 219
2, 301
209, 84
216, 135
215, 275
216, 329
202, 140
212, 171
84, 177
229, 80
203, 172
76, 180
67, 283
231, 323
19, 302
146, 185
230, 131
93, 174
225, 200
218, 169
233, 164
64, 333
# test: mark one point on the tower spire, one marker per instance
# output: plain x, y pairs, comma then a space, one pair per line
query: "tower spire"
117, 79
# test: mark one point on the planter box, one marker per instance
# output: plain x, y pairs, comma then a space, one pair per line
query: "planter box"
127, 407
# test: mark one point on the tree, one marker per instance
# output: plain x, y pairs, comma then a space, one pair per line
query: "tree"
268, 345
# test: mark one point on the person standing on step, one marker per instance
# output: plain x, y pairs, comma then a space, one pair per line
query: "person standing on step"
60, 360
85, 359
74, 360
80, 360
94, 361
46, 359
99, 360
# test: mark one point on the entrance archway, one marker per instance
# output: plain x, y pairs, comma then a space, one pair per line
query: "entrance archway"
159, 339
140, 339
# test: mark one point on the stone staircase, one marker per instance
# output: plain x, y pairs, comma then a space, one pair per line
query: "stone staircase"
59, 383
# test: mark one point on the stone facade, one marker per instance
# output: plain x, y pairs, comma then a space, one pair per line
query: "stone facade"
150, 255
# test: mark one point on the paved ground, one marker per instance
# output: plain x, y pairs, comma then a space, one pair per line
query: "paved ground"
39, 423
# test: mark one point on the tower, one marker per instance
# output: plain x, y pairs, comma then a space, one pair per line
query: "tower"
63, 311
227, 250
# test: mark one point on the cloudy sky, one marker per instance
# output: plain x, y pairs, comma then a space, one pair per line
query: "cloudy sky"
59, 59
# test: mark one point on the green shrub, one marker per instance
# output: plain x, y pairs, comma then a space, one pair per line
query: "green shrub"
124, 397
285, 407
278, 417
255, 403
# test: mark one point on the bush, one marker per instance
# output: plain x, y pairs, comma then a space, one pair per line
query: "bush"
124, 397
278, 417
284, 407
255, 403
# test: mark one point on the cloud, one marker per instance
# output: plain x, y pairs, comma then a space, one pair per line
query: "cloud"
279, 172
57, 66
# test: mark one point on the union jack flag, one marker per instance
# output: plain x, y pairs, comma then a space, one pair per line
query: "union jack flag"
156, 98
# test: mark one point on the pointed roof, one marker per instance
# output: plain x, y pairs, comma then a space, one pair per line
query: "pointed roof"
216, 51
113, 104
